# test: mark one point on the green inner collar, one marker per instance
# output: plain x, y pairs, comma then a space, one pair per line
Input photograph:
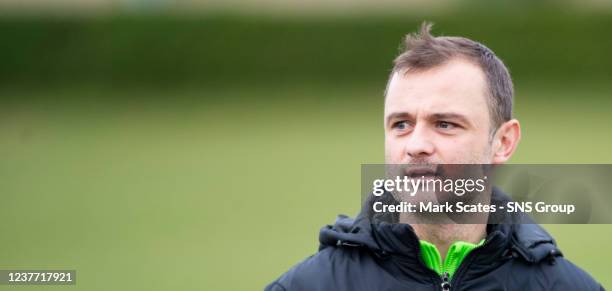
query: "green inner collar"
455, 255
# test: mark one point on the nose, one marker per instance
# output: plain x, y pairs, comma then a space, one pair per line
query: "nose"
419, 143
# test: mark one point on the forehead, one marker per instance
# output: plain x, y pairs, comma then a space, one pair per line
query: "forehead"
456, 86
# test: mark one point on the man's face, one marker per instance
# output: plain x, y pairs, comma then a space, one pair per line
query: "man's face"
438, 116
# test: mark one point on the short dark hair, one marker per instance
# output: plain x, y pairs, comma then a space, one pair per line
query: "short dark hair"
423, 51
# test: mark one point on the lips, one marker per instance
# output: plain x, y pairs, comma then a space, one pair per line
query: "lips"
421, 171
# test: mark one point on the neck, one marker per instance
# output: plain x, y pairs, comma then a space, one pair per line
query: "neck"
443, 235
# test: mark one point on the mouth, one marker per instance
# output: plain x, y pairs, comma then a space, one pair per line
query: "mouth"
418, 172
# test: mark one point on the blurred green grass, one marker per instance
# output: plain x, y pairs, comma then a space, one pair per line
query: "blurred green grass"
191, 194
538, 42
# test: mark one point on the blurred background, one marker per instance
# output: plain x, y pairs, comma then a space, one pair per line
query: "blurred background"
200, 145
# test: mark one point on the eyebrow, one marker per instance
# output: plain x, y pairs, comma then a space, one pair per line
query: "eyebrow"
435, 116
450, 115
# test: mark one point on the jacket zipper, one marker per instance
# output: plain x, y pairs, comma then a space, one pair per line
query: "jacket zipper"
446, 284
464, 264
444, 279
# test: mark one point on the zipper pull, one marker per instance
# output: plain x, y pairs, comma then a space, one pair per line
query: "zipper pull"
446, 285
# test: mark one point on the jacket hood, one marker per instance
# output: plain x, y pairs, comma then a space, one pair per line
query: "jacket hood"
519, 235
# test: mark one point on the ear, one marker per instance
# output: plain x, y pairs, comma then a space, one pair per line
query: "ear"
505, 141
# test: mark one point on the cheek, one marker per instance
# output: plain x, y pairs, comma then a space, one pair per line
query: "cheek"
463, 150
393, 150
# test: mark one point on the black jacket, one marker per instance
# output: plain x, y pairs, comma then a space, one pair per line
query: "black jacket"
359, 255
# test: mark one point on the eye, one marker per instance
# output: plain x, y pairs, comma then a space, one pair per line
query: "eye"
446, 125
401, 125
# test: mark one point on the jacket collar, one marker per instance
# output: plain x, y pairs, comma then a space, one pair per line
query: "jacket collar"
505, 238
